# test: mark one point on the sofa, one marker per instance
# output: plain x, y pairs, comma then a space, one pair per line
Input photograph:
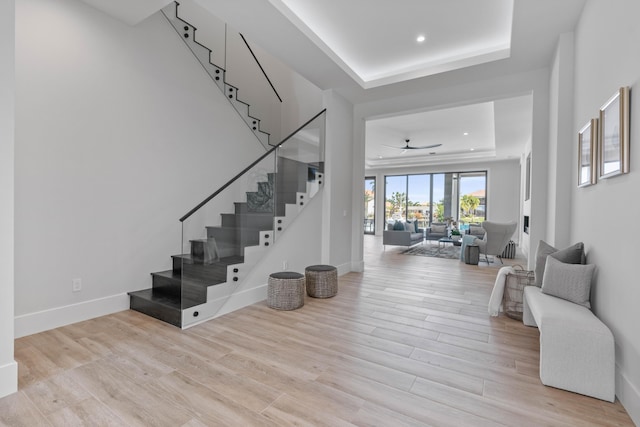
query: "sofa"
402, 234
437, 231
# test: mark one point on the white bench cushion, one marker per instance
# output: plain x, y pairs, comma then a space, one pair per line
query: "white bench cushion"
576, 349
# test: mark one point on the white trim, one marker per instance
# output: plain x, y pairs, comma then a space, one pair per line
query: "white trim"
8, 379
211, 309
628, 394
357, 266
344, 268
40, 321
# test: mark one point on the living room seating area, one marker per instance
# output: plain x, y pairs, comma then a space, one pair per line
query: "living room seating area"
401, 233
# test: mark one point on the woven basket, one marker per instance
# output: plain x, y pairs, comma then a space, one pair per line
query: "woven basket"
322, 281
513, 289
285, 290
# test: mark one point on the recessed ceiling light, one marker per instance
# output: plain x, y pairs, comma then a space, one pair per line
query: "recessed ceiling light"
466, 133
471, 149
379, 157
420, 38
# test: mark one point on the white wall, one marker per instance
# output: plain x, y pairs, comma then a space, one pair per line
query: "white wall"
337, 224
604, 215
8, 367
560, 144
119, 132
503, 187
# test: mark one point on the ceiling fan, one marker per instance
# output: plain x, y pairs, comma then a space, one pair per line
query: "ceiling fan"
408, 147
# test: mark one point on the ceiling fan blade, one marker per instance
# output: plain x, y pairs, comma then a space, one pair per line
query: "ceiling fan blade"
422, 147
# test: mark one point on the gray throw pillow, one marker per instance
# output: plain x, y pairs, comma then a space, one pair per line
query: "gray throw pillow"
476, 230
572, 255
571, 282
439, 229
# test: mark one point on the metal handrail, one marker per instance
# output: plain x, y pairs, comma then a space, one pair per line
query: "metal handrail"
245, 170
261, 68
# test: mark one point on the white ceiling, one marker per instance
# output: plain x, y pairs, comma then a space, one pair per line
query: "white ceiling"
366, 51
495, 130
375, 42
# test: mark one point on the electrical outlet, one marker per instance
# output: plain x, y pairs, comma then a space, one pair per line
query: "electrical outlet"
76, 285
285, 265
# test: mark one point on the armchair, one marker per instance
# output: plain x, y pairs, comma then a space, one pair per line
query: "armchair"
496, 238
437, 231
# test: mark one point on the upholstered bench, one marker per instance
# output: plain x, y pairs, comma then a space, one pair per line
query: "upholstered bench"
576, 349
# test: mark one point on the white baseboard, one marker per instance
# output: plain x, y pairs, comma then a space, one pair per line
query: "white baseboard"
357, 266
245, 298
628, 395
219, 307
8, 379
344, 268
32, 323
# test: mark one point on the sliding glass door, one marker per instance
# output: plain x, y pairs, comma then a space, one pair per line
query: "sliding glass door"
473, 197
370, 205
437, 197
395, 198
419, 199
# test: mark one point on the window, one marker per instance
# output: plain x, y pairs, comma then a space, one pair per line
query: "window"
437, 197
369, 205
473, 197
395, 205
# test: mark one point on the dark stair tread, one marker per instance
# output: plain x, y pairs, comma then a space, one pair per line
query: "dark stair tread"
236, 228
235, 259
177, 277
170, 301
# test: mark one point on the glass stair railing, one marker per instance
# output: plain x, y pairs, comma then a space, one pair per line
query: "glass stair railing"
232, 230
240, 68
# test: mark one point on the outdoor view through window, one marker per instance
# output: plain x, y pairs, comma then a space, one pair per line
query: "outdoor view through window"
452, 197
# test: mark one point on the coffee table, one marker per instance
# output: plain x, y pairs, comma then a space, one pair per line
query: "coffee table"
446, 240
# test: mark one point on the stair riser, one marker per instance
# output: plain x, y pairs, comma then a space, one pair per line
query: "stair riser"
232, 241
191, 294
257, 221
168, 315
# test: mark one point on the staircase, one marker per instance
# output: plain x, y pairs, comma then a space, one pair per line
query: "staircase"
202, 280
223, 248
203, 54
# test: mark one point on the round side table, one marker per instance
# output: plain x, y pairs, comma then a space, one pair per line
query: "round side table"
285, 290
322, 281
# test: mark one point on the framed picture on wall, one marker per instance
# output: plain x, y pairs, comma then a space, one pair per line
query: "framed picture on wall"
587, 149
613, 154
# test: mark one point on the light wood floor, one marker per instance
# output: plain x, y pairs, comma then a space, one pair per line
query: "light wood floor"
406, 343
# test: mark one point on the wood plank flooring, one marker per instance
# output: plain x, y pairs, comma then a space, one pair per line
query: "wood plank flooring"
408, 342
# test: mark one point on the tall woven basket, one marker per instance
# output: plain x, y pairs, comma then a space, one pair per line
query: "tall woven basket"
513, 290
